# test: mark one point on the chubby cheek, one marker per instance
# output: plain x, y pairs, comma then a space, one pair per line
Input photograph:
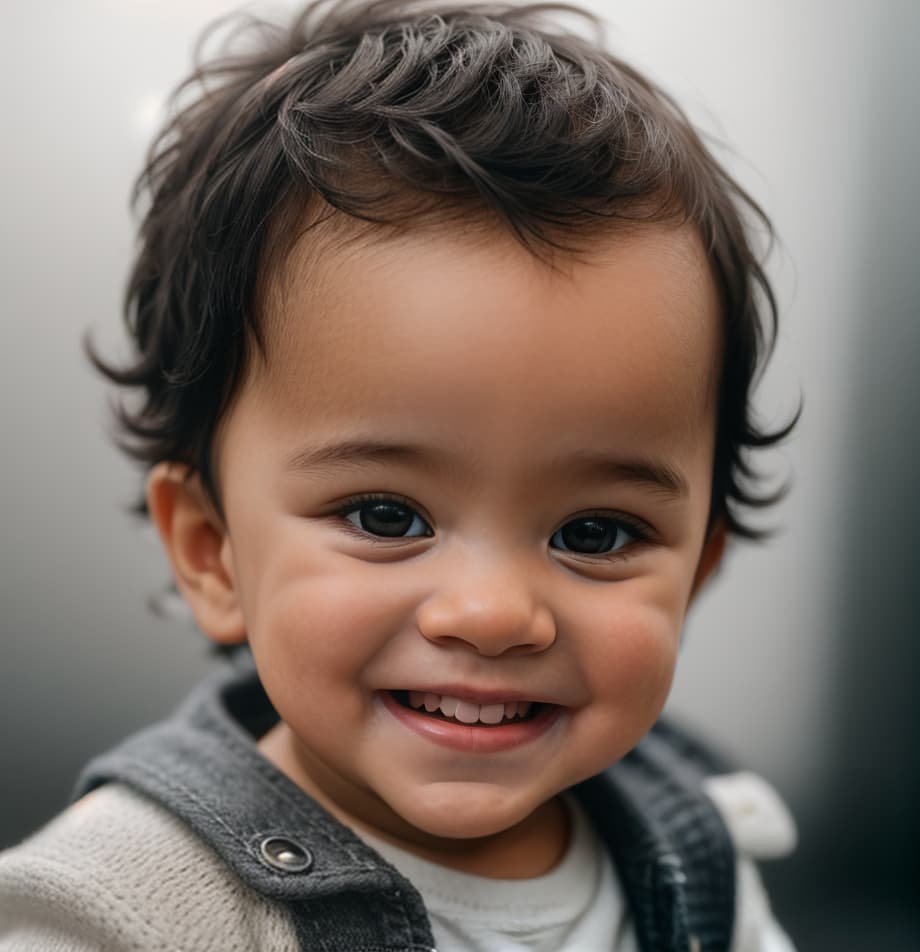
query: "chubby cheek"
318, 619
627, 675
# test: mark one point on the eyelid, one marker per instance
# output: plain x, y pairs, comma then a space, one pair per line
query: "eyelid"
641, 532
355, 502
633, 524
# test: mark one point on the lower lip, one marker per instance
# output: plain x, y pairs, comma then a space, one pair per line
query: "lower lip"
472, 738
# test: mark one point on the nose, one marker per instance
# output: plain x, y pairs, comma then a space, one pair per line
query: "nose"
488, 610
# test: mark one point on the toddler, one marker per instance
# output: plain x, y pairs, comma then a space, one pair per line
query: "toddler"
445, 324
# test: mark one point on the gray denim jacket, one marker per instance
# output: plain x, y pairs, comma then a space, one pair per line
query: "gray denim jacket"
668, 842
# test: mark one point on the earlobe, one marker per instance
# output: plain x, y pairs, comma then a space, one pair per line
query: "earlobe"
197, 546
710, 556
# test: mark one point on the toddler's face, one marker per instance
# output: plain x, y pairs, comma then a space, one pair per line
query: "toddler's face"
466, 501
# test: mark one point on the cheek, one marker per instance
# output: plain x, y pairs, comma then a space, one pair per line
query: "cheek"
629, 651
320, 614
637, 657
626, 667
314, 635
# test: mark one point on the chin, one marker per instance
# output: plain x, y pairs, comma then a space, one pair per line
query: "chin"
466, 816
463, 828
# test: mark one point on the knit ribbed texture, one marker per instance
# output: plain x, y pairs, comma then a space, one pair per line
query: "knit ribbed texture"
116, 872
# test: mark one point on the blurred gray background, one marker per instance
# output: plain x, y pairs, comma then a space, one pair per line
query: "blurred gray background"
802, 659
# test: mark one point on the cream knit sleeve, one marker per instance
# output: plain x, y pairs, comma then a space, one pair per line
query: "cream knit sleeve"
117, 873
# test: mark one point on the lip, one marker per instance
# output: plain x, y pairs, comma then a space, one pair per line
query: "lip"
473, 739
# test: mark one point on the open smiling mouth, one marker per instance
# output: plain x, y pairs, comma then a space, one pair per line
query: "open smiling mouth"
454, 710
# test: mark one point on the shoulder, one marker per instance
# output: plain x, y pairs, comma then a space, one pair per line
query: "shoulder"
116, 871
756, 818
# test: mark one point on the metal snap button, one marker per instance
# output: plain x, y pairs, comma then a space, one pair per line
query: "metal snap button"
285, 855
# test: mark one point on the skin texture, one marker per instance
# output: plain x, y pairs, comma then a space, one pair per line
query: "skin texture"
506, 378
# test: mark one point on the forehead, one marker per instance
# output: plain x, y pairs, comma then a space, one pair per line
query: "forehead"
477, 339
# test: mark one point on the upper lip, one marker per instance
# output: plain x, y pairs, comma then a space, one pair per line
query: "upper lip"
478, 695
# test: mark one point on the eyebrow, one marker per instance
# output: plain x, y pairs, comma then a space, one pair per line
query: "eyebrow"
355, 453
655, 474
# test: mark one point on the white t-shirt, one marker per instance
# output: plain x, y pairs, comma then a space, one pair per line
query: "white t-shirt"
578, 906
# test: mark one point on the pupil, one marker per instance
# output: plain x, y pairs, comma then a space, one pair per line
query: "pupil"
589, 535
386, 519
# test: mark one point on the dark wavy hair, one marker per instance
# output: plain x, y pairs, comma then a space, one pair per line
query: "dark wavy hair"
397, 114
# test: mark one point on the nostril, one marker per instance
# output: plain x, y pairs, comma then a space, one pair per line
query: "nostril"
503, 620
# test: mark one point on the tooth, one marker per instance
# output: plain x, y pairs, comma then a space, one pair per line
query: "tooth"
466, 712
448, 706
491, 713
523, 708
432, 702
416, 699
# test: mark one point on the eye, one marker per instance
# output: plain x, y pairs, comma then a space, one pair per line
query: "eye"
596, 535
385, 517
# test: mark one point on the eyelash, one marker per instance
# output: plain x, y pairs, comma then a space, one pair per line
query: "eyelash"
355, 502
641, 532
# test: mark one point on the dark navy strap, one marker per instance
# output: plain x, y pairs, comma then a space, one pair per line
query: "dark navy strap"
671, 847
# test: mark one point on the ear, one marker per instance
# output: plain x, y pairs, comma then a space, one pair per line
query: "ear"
711, 556
198, 549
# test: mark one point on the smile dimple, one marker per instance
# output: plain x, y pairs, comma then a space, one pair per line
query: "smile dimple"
464, 711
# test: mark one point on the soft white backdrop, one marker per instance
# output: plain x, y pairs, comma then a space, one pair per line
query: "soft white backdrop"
816, 102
